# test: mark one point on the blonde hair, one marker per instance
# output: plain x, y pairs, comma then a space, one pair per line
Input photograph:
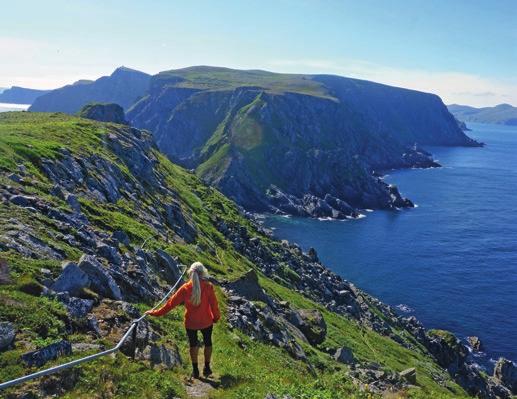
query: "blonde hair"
196, 272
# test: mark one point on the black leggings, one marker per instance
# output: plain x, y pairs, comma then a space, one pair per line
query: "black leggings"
193, 339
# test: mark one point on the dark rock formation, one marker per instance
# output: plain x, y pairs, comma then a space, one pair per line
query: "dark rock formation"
72, 279
475, 343
100, 280
311, 323
50, 352
506, 373
104, 113
7, 334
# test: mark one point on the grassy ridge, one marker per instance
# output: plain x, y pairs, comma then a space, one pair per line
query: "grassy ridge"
248, 369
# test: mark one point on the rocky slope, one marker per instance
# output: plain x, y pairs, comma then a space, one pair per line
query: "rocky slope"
299, 144
503, 114
20, 95
78, 200
124, 86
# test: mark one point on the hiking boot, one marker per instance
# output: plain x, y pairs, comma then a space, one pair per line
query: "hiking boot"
195, 371
207, 371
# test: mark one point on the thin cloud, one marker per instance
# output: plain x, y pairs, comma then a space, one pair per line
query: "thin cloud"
452, 87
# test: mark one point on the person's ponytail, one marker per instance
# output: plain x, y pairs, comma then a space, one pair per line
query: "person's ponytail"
196, 271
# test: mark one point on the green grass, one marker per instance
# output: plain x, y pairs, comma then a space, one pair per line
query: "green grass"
247, 369
214, 78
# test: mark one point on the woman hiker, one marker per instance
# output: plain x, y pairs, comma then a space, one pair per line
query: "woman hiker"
201, 312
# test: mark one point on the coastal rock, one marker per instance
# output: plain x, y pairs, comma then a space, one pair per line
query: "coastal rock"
447, 349
7, 334
475, 343
72, 279
505, 372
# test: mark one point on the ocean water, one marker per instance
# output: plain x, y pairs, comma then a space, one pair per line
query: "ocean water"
452, 261
4, 107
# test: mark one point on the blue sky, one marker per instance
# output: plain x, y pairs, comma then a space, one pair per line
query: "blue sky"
465, 51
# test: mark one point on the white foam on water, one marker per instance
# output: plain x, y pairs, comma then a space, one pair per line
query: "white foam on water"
404, 308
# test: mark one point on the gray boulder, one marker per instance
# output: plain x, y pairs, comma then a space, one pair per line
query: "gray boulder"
72, 279
7, 334
409, 375
109, 253
505, 371
78, 307
51, 352
248, 287
100, 280
168, 264
161, 355
121, 237
344, 355
311, 323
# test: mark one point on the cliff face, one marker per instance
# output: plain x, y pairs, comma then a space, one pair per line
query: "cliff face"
124, 86
300, 144
20, 95
77, 200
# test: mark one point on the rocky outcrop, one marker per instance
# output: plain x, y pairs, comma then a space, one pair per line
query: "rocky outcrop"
104, 113
265, 325
476, 344
72, 279
100, 280
311, 323
505, 372
50, 352
344, 355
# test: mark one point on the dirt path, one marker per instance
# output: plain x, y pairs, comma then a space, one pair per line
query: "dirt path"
200, 388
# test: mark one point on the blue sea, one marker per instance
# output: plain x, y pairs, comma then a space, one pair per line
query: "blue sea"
452, 261
4, 107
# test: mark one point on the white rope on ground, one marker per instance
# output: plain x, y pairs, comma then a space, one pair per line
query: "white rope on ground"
76, 362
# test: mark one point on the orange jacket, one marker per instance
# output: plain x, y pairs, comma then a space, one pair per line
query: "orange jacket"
196, 317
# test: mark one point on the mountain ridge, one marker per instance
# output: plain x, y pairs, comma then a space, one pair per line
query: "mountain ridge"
236, 127
503, 114
20, 95
123, 87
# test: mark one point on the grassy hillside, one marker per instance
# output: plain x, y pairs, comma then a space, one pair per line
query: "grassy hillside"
36, 239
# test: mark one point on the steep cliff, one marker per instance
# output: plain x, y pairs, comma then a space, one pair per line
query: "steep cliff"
79, 198
124, 86
300, 144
